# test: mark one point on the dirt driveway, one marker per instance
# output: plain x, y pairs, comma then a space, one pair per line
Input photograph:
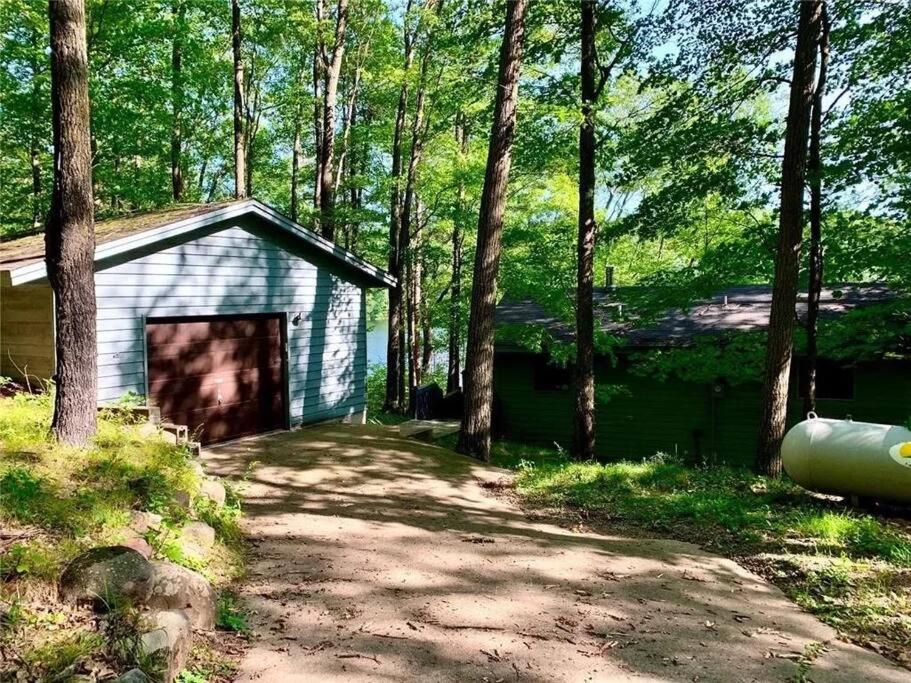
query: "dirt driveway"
379, 558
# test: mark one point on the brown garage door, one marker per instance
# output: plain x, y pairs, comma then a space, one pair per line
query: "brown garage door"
220, 376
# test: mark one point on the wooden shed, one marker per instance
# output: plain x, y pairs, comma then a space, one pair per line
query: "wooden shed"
229, 317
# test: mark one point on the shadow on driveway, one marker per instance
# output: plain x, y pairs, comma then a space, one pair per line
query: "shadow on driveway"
381, 558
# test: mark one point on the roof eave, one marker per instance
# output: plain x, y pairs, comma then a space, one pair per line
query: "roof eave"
33, 272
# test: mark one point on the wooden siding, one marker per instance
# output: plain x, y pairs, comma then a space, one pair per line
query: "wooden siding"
235, 269
26, 331
677, 417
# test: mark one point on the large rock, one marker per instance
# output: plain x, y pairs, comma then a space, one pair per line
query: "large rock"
167, 643
107, 576
141, 521
213, 491
174, 587
133, 676
198, 534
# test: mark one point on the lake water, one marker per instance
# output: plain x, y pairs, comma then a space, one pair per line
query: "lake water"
376, 347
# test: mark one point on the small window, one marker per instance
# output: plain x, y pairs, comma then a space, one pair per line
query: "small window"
551, 376
833, 381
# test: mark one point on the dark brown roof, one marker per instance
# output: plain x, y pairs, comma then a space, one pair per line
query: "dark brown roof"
740, 308
29, 249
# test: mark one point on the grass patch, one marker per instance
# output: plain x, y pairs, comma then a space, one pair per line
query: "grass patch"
58, 501
851, 568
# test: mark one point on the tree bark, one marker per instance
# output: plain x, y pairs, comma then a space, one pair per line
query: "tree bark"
423, 312
178, 12
408, 211
584, 414
358, 160
319, 51
295, 166
34, 138
814, 168
240, 150
330, 96
474, 435
70, 234
780, 343
454, 372
394, 344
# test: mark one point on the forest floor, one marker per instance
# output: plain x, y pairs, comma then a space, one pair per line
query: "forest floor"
377, 557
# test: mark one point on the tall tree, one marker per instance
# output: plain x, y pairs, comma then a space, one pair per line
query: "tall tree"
410, 211
70, 234
240, 148
814, 289
584, 413
296, 152
178, 14
319, 62
780, 342
332, 69
454, 372
395, 358
474, 435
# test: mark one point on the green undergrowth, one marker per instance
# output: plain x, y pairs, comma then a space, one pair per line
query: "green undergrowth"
57, 501
851, 567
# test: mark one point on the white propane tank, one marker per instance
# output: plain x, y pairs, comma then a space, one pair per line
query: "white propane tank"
849, 458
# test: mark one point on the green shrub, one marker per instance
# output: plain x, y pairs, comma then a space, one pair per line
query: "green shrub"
230, 617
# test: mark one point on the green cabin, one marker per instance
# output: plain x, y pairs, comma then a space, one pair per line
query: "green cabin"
640, 412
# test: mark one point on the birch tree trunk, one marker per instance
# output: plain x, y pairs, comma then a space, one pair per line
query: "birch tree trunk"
780, 343
474, 435
70, 234
240, 151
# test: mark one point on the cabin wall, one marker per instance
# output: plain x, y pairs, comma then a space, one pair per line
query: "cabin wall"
26, 331
240, 268
688, 419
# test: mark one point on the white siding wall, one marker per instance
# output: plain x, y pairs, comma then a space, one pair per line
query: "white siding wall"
235, 270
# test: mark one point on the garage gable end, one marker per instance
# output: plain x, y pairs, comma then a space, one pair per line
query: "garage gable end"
235, 270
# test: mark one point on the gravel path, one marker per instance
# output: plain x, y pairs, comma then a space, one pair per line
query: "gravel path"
381, 558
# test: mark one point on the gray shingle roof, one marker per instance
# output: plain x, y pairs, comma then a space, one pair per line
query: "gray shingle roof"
739, 308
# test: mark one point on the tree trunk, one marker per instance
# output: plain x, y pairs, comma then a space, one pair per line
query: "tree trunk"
37, 218
358, 160
454, 372
780, 343
423, 312
584, 414
415, 368
295, 167
319, 50
34, 140
474, 436
330, 97
240, 150
394, 349
178, 12
70, 234
814, 169
408, 210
